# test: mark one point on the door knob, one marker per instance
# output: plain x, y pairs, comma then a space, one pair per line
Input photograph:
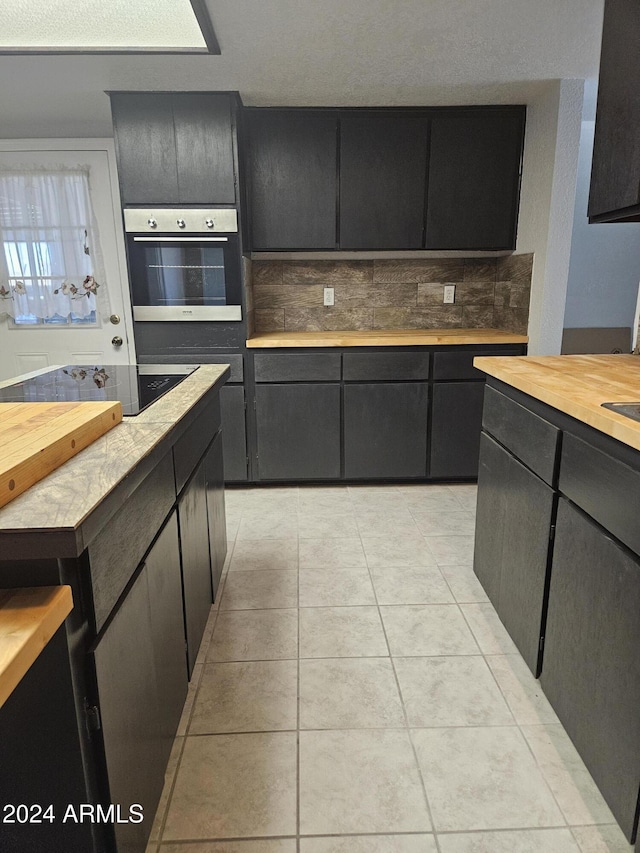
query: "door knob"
115, 319
117, 341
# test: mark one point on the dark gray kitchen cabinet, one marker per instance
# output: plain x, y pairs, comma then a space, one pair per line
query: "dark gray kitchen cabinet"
214, 477
473, 183
383, 160
196, 562
456, 423
174, 148
142, 685
298, 431
234, 433
512, 546
291, 164
385, 430
591, 672
615, 173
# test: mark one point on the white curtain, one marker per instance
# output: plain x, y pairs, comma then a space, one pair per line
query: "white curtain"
50, 258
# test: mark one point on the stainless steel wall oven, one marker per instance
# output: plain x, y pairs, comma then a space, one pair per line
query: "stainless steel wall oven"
184, 264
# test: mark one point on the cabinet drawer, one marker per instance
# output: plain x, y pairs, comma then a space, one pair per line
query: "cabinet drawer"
115, 554
605, 488
297, 367
190, 446
385, 365
235, 363
528, 436
459, 364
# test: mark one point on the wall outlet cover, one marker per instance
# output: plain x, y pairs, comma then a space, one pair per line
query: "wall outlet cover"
329, 296
449, 294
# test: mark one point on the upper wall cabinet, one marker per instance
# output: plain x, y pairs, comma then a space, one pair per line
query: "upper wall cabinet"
291, 158
615, 173
474, 178
383, 161
174, 148
383, 179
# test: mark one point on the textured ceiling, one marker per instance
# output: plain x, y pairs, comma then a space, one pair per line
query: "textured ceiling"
306, 52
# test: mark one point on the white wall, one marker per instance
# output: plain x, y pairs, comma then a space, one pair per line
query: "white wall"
605, 260
547, 205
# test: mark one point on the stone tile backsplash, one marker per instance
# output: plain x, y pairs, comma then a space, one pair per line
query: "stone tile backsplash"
391, 294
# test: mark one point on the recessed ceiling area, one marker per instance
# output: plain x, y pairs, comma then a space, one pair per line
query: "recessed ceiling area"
303, 52
90, 25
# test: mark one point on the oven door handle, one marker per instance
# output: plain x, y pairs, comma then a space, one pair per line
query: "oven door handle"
177, 239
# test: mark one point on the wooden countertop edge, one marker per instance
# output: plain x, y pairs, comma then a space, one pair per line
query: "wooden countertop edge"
392, 337
28, 620
610, 423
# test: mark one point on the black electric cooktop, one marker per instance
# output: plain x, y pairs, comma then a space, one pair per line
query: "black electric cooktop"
135, 386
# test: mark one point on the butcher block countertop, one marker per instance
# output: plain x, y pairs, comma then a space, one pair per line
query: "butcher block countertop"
576, 385
63, 513
384, 338
36, 438
28, 620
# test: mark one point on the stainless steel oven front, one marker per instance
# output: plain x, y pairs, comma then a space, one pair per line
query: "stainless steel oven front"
184, 264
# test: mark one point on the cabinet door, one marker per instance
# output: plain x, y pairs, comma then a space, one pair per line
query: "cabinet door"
615, 172
167, 630
298, 429
591, 671
456, 423
382, 179
513, 526
385, 430
491, 512
196, 564
234, 433
141, 677
204, 148
292, 171
214, 473
146, 148
474, 178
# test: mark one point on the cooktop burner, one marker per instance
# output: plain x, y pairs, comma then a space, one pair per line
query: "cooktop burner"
135, 386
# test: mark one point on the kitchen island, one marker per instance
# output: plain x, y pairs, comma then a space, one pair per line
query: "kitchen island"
135, 526
557, 547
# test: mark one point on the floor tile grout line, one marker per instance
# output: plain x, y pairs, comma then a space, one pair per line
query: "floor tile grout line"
406, 718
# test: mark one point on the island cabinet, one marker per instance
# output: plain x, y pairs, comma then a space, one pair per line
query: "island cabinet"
615, 175
557, 550
369, 413
175, 148
142, 562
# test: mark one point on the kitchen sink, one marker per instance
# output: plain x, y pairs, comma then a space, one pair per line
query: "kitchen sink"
630, 410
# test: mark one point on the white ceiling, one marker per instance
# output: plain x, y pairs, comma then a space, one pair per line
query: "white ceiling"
308, 52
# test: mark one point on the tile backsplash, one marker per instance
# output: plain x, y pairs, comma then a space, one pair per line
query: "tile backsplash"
391, 294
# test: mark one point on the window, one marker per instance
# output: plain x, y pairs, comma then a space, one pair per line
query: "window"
50, 251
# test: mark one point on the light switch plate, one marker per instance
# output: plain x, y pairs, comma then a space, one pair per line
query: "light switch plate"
449, 294
329, 296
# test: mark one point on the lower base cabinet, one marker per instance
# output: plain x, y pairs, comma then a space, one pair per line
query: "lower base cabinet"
513, 523
234, 433
591, 672
456, 422
385, 430
298, 431
142, 686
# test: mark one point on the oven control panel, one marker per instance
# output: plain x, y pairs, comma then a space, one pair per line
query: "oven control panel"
192, 220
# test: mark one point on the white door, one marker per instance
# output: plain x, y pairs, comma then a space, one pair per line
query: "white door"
24, 349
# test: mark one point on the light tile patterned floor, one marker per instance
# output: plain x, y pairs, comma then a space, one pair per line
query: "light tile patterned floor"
356, 693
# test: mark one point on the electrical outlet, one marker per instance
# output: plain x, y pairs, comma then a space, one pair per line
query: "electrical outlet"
449, 294
329, 296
